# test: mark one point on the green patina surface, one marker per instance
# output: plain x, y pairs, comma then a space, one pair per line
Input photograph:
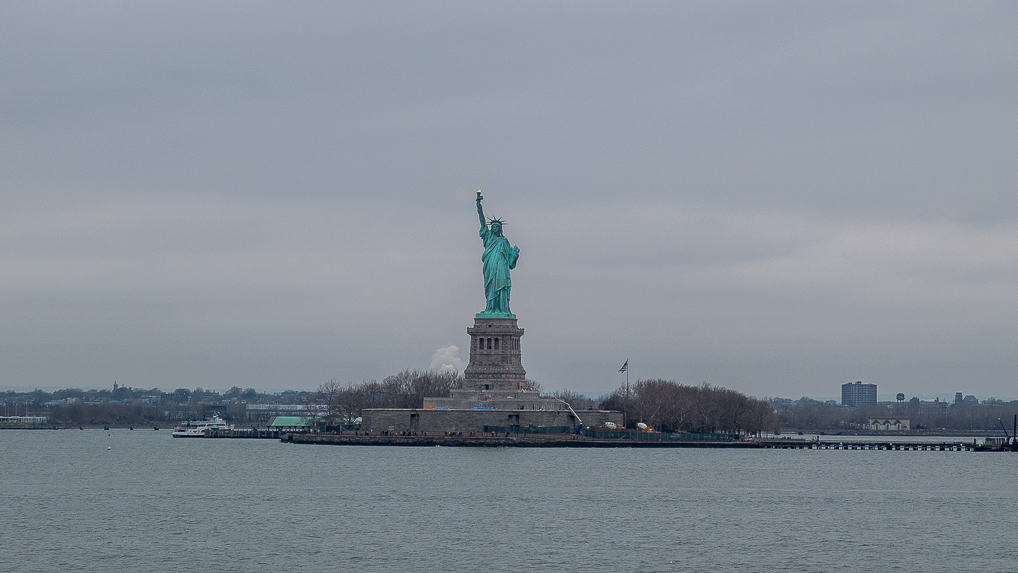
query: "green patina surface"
289, 422
498, 259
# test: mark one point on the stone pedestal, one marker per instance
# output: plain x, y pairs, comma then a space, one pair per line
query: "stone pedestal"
495, 358
495, 378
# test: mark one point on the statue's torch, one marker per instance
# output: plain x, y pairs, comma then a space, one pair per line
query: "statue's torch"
478, 193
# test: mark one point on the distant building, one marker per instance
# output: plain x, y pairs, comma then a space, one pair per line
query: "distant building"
854, 394
888, 424
21, 420
916, 404
290, 424
265, 412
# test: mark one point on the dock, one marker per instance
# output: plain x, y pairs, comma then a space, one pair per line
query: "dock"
876, 445
244, 433
575, 441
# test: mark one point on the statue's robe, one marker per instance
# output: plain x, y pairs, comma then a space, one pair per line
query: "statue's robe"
499, 258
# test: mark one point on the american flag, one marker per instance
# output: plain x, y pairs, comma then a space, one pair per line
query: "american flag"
625, 366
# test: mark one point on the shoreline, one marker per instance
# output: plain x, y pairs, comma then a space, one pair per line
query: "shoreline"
574, 441
546, 441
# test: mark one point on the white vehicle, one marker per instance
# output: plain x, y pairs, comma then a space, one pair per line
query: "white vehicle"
196, 428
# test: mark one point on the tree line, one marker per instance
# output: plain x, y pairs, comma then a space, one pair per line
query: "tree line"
407, 389
141, 407
673, 407
808, 414
663, 404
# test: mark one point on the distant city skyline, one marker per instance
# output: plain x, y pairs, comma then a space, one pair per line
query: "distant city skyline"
881, 397
770, 197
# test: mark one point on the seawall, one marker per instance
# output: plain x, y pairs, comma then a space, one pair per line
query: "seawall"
575, 441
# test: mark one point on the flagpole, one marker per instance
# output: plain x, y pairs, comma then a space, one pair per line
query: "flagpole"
626, 417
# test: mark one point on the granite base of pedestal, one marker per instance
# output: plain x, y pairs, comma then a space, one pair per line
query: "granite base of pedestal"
464, 399
441, 422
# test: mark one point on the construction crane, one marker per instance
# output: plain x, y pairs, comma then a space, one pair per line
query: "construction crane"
575, 415
1012, 438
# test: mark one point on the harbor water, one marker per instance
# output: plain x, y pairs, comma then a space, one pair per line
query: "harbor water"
91, 500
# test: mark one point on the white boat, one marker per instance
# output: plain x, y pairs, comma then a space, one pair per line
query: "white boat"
196, 428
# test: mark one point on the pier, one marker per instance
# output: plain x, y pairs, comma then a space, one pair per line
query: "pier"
500, 441
874, 445
574, 441
244, 433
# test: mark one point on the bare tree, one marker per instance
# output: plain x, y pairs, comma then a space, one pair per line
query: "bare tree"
329, 395
669, 406
576, 400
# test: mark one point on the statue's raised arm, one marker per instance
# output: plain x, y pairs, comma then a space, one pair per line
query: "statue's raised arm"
480, 211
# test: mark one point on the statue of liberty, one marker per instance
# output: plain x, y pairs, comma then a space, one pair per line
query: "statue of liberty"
498, 258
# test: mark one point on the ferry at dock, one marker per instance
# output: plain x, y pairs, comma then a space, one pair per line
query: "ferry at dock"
196, 428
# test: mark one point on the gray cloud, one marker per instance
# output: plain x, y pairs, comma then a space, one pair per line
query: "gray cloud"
774, 197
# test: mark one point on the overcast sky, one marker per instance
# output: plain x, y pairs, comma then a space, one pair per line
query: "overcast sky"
775, 197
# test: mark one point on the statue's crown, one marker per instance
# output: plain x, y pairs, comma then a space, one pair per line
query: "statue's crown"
496, 220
